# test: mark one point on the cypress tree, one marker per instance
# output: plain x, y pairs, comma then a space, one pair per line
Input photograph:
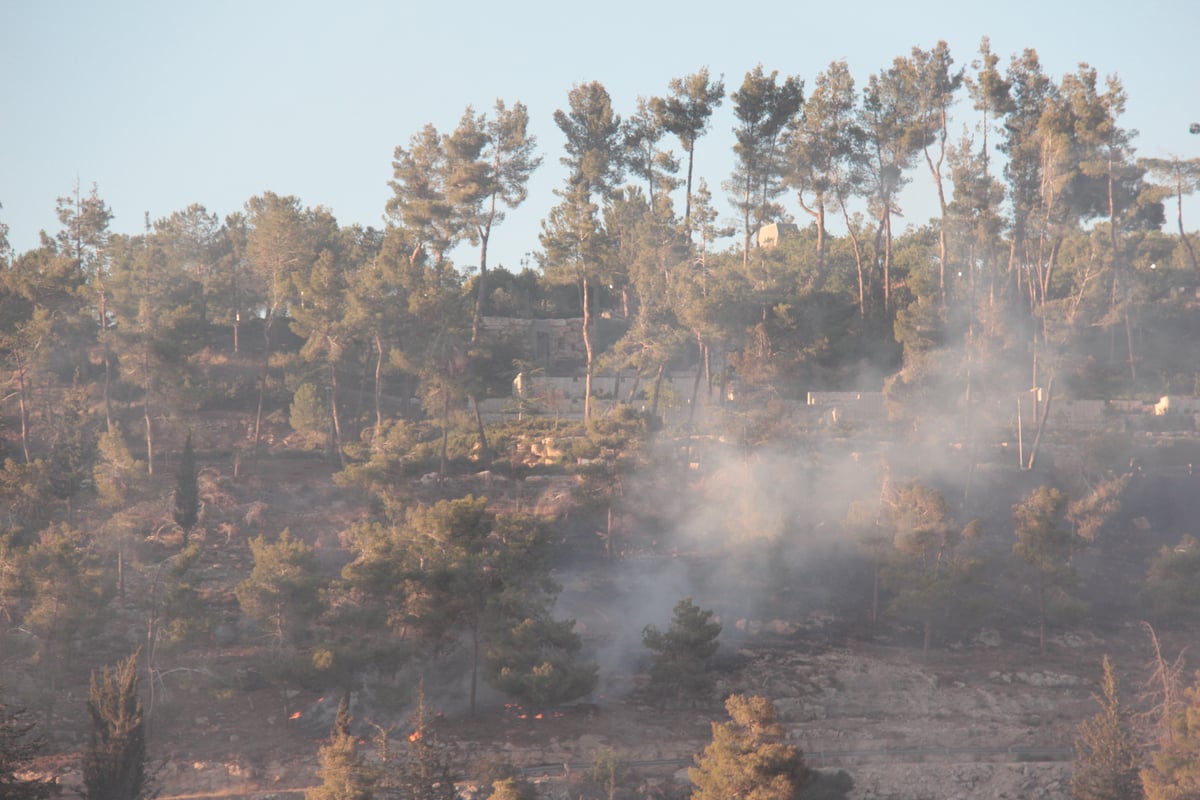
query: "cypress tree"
114, 763
185, 506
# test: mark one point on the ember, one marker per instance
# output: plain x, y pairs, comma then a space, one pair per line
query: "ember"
296, 715
415, 736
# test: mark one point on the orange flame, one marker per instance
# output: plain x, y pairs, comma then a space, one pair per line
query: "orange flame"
295, 716
415, 736
537, 716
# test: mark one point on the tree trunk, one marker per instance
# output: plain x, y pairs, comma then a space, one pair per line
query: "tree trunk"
935, 169
633, 387
474, 664
687, 203
696, 381
22, 392
587, 348
1183, 237
658, 379
378, 386
746, 224
445, 429
820, 241
476, 321
1037, 439
887, 259
1132, 358
608, 529
106, 354
146, 411
262, 385
334, 413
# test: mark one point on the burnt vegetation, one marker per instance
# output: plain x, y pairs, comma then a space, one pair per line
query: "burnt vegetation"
303, 467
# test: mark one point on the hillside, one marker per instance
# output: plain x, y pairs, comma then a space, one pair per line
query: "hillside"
984, 711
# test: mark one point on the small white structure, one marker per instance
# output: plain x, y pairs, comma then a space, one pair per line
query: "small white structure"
771, 235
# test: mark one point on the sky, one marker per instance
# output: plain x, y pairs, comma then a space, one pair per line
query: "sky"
165, 104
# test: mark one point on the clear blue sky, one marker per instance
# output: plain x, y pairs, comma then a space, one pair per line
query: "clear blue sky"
163, 104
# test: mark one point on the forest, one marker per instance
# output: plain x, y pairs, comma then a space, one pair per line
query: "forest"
265, 454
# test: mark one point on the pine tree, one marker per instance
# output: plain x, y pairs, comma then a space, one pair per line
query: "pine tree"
1174, 773
424, 773
114, 763
680, 657
18, 747
748, 756
185, 506
344, 771
1046, 547
1107, 754
283, 592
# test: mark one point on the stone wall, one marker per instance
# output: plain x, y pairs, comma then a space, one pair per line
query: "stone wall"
551, 344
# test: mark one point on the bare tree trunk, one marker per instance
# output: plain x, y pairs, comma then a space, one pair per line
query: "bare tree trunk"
378, 385
1020, 437
1037, 439
587, 347
662, 368
687, 203
106, 354
633, 388
696, 381
1129, 345
22, 392
1182, 233
476, 320
445, 429
146, 411
262, 385
335, 414
820, 242
887, 260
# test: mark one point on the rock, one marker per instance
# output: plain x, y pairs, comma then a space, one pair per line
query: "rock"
988, 637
